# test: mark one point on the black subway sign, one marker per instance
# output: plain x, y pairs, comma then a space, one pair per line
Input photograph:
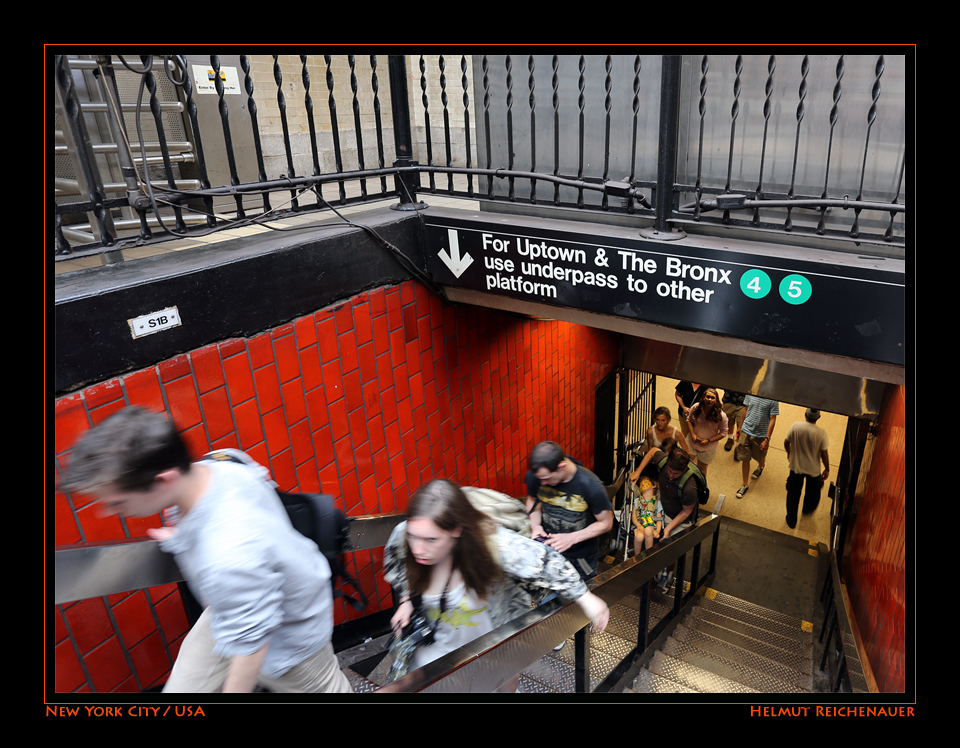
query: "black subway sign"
836, 303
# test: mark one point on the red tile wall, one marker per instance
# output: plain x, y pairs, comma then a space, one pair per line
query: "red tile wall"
874, 567
366, 401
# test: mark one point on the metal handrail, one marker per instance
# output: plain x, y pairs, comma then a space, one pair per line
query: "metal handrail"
86, 570
852, 665
491, 660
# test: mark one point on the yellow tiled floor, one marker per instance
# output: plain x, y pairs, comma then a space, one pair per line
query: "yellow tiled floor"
765, 504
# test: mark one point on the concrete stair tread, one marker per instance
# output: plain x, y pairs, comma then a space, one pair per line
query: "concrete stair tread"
647, 682
694, 677
794, 671
737, 667
756, 615
791, 647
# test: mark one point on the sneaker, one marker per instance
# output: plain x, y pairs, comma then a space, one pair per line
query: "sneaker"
667, 581
728, 446
743, 490
559, 646
758, 472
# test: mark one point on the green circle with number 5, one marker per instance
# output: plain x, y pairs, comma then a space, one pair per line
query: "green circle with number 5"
795, 289
755, 284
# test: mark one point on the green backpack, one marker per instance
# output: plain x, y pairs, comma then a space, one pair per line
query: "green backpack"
692, 471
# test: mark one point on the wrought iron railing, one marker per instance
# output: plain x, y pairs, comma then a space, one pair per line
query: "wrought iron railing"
794, 145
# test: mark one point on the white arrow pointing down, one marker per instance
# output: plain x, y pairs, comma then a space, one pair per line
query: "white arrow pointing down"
453, 260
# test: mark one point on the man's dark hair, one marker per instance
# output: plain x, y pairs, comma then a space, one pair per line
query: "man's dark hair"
678, 460
547, 455
126, 451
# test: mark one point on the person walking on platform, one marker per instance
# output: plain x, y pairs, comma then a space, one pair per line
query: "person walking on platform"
759, 421
686, 394
268, 618
806, 445
708, 427
732, 405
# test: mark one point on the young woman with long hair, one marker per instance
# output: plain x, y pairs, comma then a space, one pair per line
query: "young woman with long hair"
469, 574
708, 427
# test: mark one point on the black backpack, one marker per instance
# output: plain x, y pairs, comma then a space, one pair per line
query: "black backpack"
315, 516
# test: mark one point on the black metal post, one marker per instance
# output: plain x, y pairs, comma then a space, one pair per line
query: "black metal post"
581, 661
406, 182
667, 149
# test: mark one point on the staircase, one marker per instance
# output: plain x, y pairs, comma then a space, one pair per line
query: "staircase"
723, 645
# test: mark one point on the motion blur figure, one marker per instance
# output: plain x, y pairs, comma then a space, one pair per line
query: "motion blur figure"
266, 590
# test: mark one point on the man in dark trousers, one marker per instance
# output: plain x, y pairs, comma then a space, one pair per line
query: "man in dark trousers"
807, 447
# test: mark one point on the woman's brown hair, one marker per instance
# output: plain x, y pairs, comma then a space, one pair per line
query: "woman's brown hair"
446, 505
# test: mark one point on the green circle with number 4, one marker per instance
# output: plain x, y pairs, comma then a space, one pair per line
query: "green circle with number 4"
795, 289
755, 284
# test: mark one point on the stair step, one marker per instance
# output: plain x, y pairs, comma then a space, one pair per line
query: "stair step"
555, 671
756, 615
735, 668
751, 639
799, 641
694, 677
721, 648
647, 682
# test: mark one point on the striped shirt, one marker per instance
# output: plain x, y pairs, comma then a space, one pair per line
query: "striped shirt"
757, 421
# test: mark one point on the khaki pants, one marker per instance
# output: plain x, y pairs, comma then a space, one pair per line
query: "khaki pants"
199, 669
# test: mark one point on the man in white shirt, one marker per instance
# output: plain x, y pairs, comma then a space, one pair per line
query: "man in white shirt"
806, 445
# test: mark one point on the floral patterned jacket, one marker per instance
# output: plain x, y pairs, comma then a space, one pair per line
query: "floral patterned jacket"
530, 569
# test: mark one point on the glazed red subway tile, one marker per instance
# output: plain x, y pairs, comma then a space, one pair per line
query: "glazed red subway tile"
284, 472
312, 374
358, 426
353, 390
368, 362
339, 422
268, 388
308, 477
332, 381
362, 323
70, 419
327, 340
206, 368
294, 403
89, 622
107, 666
347, 346
275, 431
305, 331
288, 362
143, 389
301, 442
134, 619
316, 408
239, 376
68, 672
249, 426
103, 395
150, 661
174, 368
217, 414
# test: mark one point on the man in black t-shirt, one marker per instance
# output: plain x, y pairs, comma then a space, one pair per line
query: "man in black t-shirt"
568, 505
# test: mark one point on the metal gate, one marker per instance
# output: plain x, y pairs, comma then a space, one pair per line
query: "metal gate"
625, 402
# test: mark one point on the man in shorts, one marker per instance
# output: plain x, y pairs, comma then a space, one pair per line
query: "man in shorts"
759, 421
